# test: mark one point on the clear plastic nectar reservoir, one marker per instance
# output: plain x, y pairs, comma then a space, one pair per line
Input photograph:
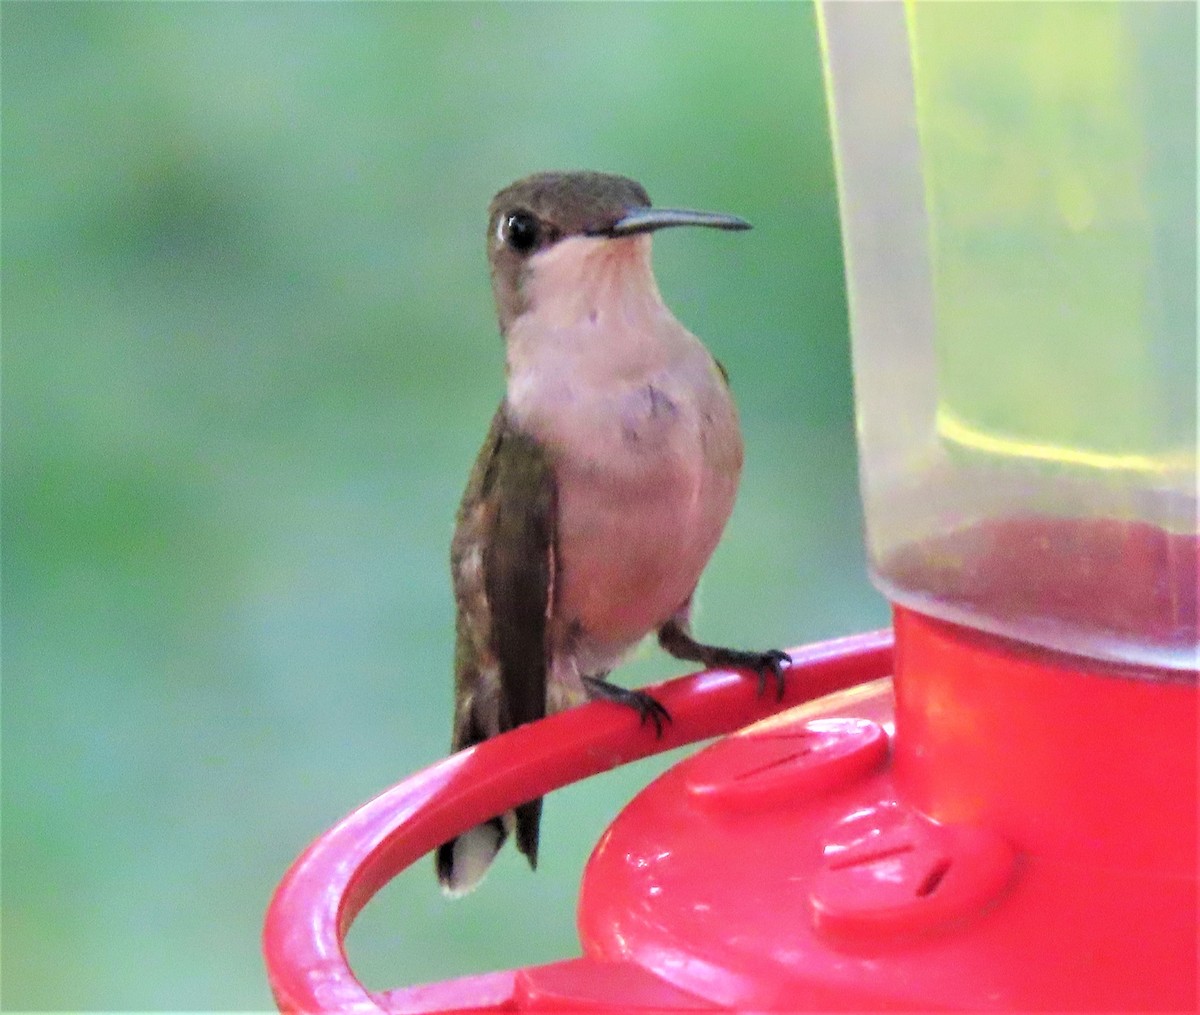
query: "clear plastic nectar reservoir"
1018, 190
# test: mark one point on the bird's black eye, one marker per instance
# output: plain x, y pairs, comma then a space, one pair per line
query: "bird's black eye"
521, 231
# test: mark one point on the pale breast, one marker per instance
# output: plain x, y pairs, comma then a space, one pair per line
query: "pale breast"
646, 476
642, 435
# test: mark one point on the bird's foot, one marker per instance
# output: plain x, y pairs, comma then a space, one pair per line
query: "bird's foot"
769, 665
646, 706
773, 661
676, 639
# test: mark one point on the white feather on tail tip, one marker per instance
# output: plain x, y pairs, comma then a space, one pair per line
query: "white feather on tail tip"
470, 857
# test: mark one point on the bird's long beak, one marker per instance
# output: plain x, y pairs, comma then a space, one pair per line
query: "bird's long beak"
646, 220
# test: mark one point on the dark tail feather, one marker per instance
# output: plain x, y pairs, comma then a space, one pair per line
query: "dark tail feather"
529, 819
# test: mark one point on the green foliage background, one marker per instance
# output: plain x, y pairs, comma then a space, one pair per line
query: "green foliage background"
249, 354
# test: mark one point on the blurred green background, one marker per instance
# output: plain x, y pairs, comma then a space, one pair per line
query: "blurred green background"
248, 355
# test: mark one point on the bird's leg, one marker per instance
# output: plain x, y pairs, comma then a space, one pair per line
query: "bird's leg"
646, 706
675, 637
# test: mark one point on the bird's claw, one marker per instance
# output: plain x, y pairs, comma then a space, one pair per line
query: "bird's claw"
771, 664
651, 708
646, 706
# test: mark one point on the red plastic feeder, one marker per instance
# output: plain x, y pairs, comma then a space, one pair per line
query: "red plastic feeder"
1023, 837
1010, 823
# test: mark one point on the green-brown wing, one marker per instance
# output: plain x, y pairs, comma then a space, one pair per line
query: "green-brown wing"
502, 558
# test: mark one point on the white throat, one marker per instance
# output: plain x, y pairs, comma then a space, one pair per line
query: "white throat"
592, 307
585, 277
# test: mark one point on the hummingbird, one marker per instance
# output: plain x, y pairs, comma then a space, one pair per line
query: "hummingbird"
603, 485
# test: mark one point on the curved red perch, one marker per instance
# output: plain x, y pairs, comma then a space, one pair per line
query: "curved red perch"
337, 875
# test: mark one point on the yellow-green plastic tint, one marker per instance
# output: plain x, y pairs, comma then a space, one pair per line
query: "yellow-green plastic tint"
1059, 168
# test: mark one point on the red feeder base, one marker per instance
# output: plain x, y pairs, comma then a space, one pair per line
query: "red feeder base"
1028, 842
1009, 830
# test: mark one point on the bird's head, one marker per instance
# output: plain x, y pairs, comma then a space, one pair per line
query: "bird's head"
565, 236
